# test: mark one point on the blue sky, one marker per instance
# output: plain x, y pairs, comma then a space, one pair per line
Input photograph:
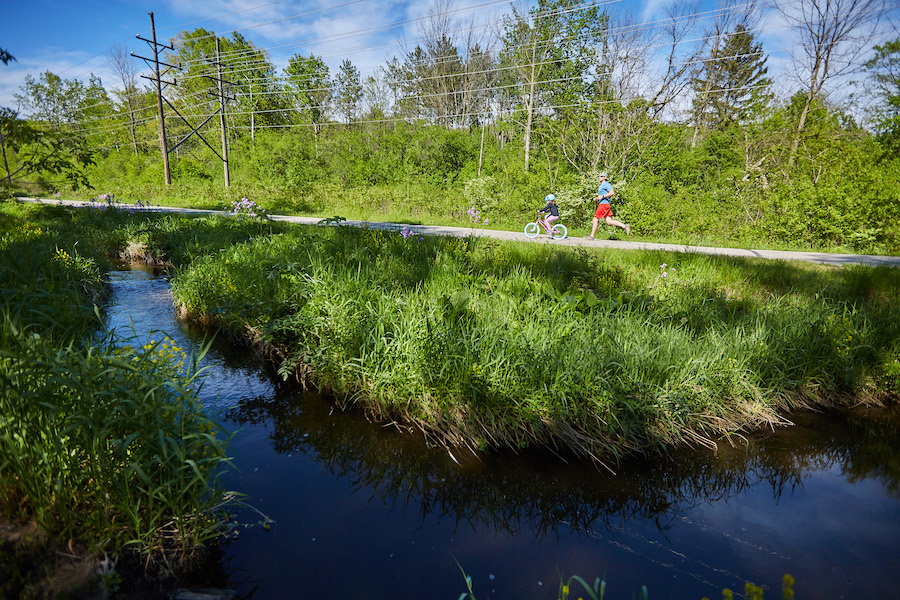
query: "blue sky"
73, 39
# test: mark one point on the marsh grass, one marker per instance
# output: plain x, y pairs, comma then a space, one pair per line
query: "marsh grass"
491, 344
495, 344
100, 442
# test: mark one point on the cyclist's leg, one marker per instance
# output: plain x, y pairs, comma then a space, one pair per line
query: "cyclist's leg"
549, 219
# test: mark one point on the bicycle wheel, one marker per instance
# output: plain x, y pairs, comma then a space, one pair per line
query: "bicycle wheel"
532, 229
560, 232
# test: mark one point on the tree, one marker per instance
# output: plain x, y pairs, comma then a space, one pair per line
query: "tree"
308, 88
546, 57
51, 99
885, 70
252, 75
637, 74
121, 64
731, 84
34, 151
831, 39
247, 73
95, 115
348, 91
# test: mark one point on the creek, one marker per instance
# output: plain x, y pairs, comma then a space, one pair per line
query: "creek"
367, 511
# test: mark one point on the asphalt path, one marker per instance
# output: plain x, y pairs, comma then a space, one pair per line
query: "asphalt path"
824, 258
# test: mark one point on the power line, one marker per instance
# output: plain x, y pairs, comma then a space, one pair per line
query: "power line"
639, 27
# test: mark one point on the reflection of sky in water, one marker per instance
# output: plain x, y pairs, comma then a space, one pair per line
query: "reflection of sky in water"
223, 384
362, 511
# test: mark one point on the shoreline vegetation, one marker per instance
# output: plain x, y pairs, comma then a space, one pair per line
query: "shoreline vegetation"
502, 345
477, 343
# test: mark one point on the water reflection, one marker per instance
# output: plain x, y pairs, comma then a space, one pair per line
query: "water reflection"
365, 507
541, 493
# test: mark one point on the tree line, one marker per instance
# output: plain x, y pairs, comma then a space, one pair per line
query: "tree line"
684, 110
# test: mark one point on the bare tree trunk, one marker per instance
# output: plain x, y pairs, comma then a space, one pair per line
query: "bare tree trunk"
5, 162
832, 36
529, 118
120, 63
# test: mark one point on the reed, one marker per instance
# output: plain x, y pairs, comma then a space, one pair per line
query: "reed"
489, 344
100, 442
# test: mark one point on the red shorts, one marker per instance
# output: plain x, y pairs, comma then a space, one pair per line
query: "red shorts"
603, 210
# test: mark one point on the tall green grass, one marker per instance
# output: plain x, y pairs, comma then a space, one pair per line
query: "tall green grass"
109, 445
495, 344
99, 442
500, 344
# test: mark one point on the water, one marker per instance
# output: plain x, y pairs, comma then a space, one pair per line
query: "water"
368, 511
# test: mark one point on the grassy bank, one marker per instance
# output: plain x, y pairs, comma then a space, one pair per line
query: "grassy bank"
478, 343
104, 446
493, 344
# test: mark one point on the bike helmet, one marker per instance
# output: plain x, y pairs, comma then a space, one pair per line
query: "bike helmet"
549, 198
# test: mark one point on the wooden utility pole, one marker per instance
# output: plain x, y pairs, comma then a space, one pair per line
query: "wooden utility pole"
222, 115
157, 78
159, 106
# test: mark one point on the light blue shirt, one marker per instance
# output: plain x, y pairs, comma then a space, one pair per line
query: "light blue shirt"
605, 188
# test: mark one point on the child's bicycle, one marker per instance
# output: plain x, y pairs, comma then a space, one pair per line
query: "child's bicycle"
558, 231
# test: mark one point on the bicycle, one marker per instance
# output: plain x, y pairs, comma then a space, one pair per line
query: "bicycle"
558, 231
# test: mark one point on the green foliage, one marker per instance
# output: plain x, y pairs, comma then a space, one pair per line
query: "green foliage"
731, 86
348, 91
309, 86
48, 157
109, 445
597, 591
99, 442
485, 342
885, 69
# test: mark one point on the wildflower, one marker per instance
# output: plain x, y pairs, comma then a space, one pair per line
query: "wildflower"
664, 274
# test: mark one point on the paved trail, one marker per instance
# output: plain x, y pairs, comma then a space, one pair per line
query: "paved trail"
824, 258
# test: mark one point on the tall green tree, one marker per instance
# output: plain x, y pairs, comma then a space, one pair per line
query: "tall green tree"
732, 85
885, 72
308, 88
247, 72
546, 57
51, 100
254, 83
348, 91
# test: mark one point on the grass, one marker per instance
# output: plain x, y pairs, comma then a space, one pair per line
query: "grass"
100, 442
491, 344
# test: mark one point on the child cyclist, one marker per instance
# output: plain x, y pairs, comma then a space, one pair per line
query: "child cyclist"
553, 211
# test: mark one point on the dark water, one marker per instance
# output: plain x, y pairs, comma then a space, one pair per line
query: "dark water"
367, 511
